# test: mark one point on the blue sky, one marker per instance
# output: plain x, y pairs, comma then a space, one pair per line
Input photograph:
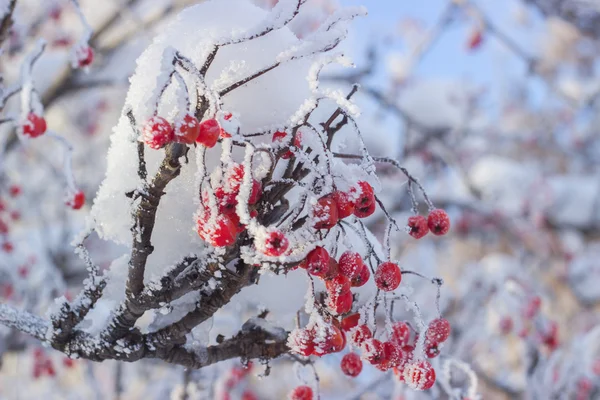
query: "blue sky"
492, 65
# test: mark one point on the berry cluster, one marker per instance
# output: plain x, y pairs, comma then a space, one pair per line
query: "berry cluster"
42, 364
235, 378
437, 222
397, 352
158, 132
338, 205
222, 229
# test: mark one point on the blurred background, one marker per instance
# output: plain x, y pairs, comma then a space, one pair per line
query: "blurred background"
492, 104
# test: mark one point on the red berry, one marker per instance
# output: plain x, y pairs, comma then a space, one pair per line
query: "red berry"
328, 339
301, 341
362, 278
359, 334
255, 193
226, 201
438, 222
235, 220
234, 177
280, 136
14, 190
340, 303
417, 225
419, 375
400, 334
438, 330
221, 233
275, 244
350, 322
68, 362
338, 285
77, 201
388, 276
248, 395
301, 393
325, 213
209, 133
85, 56
351, 364
364, 212
391, 356
366, 196
475, 39
15, 216
34, 126
345, 206
7, 247
431, 349
372, 350
187, 130
351, 264
334, 269
317, 262
3, 227
157, 132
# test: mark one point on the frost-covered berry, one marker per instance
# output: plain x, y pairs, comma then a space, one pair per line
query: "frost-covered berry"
325, 213
221, 233
301, 341
365, 202
340, 303
350, 322
345, 205
280, 136
431, 349
372, 350
400, 333
84, 56
317, 262
34, 125
438, 330
351, 364
419, 375
359, 334
438, 222
339, 284
362, 278
234, 176
275, 244
209, 133
301, 393
388, 276
77, 200
351, 264
187, 129
157, 132
391, 356
226, 201
255, 193
417, 226
328, 339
